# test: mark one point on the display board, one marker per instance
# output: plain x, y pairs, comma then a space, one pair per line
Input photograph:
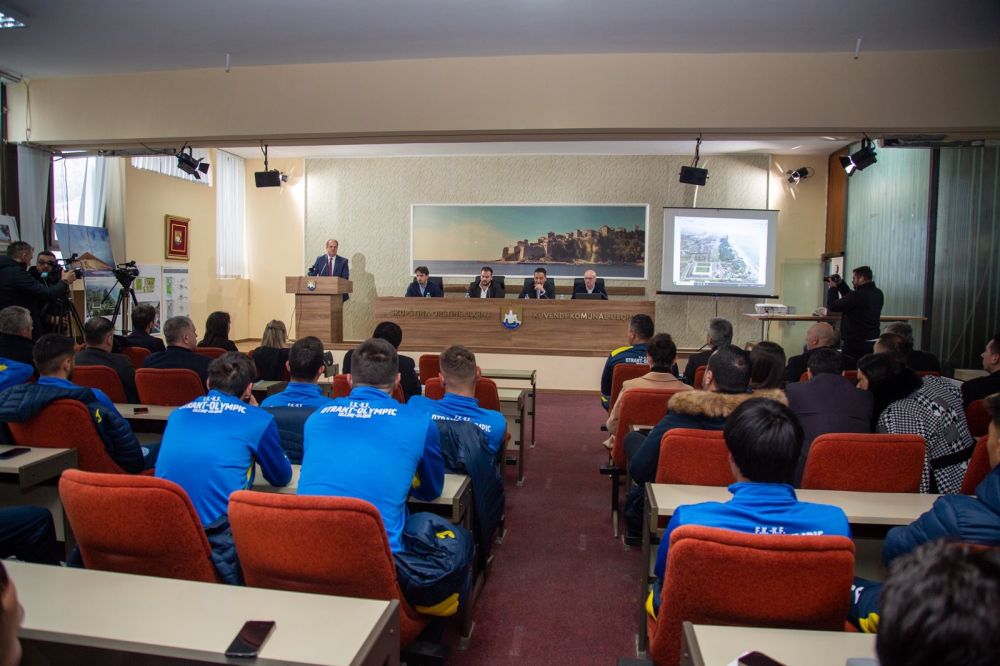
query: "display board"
175, 293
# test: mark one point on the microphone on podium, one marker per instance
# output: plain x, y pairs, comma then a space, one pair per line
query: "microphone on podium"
311, 272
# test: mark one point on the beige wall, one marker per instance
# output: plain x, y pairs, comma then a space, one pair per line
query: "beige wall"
619, 95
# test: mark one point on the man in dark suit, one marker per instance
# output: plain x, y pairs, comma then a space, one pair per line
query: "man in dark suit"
980, 387
590, 285
828, 402
143, 316
720, 334
182, 340
15, 334
485, 286
98, 334
422, 286
818, 336
540, 287
331, 264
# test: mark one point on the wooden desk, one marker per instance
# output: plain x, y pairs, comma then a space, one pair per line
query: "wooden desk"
36, 465
87, 616
512, 406
708, 645
520, 375
764, 318
153, 413
266, 387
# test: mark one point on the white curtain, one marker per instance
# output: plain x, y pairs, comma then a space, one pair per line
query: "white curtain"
32, 191
115, 206
167, 165
94, 199
230, 215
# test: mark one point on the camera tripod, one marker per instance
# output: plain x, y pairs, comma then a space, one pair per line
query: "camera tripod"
67, 316
126, 301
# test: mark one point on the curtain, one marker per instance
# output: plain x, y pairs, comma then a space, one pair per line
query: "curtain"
33, 192
94, 199
230, 215
115, 206
167, 165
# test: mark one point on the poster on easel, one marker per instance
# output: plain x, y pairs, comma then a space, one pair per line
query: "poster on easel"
175, 293
148, 289
101, 291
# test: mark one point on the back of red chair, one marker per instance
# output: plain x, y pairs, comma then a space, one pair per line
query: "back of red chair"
136, 524
136, 355
211, 352
865, 462
640, 406
487, 394
978, 418
429, 366
979, 467
433, 388
62, 424
852, 375
928, 373
804, 377
100, 377
699, 376
171, 387
397, 393
341, 386
620, 374
694, 457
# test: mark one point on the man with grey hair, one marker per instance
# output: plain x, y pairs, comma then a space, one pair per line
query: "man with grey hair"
818, 336
15, 334
18, 287
182, 340
720, 332
917, 359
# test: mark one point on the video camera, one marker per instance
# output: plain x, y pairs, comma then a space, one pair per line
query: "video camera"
67, 265
126, 273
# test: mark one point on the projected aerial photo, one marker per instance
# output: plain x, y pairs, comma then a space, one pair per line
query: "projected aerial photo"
720, 251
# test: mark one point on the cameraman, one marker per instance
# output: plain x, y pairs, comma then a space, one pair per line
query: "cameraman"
17, 287
48, 271
861, 310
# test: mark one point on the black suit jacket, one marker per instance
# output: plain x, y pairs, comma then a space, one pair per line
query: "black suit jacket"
179, 357
17, 287
828, 403
799, 364
495, 290
861, 310
431, 291
117, 362
145, 340
528, 290
582, 289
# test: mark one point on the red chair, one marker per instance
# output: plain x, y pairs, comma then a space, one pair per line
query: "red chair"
716, 576
865, 462
168, 386
136, 355
67, 423
804, 377
928, 373
341, 386
620, 374
979, 467
978, 418
136, 525
699, 376
852, 375
211, 352
319, 545
100, 377
487, 394
694, 457
429, 366
397, 393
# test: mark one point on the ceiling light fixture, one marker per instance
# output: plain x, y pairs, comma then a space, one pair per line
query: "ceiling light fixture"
187, 163
268, 178
860, 160
801, 173
692, 175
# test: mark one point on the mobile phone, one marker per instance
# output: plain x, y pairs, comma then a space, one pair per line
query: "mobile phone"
757, 659
250, 639
16, 451
141, 410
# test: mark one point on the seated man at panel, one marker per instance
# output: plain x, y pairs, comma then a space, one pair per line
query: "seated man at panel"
459, 375
980, 387
143, 317
485, 286
422, 286
818, 336
727, 384
301, 397
182, 340
370, 447
590, 286
54, 356
98, 334
539, 287
393, 334
828, 402
917, 359
210, 447
660, 354
16, 341
764, 441
720, 332
640, 330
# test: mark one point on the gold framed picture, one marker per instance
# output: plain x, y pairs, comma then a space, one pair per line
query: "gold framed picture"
177, 237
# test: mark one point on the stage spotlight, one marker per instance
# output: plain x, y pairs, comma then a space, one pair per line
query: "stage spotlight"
692, 175
268, 177
861, 160
798, 174
187, 163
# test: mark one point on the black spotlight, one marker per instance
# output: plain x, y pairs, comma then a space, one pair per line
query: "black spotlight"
692, 175
268, 177
799, 174
861, 160
187, 163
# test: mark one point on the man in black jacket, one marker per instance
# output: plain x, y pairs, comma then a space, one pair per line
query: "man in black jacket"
143, 316
485, 286
182, 340
818, 336
861, 310
15, 334
99, 337
18, 287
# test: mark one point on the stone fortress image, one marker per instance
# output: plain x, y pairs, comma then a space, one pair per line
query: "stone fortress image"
606, 245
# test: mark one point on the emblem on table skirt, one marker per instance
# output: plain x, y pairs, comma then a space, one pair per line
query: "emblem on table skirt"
311, 285
511, 319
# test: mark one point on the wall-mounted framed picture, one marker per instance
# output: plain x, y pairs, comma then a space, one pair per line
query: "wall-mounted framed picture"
177, 237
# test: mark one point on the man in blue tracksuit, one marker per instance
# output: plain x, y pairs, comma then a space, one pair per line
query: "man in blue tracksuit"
13, 373
210, 446
764, 440
640, 330
459, 375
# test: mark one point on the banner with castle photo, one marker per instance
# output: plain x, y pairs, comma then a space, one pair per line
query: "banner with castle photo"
457, 240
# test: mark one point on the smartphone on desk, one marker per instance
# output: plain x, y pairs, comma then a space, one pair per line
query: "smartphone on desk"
250, 639
141, 410
14, 452
757, 659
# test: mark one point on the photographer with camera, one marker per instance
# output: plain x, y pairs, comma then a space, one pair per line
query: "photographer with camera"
18, 287
861, 310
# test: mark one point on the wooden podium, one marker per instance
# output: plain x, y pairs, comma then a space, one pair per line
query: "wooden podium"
319, 306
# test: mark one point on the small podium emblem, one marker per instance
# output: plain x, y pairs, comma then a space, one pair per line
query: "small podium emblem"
311, 285
510, 319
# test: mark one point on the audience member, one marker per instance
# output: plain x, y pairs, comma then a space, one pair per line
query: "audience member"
217, 332
485, 286
13, 373
720, 333
28, 533
393, 334
210, 447
16, 334
890, 343
972, 390
459, 374
828, 402
54, 357
640, 330
98, 335
539, 287
930, 407
422, 285
818, 336
143, 318
182, 338
764, 440
917, 359
660, 355
767, 366
272, 355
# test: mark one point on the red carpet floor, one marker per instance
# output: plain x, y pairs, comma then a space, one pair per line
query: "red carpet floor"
562, 590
